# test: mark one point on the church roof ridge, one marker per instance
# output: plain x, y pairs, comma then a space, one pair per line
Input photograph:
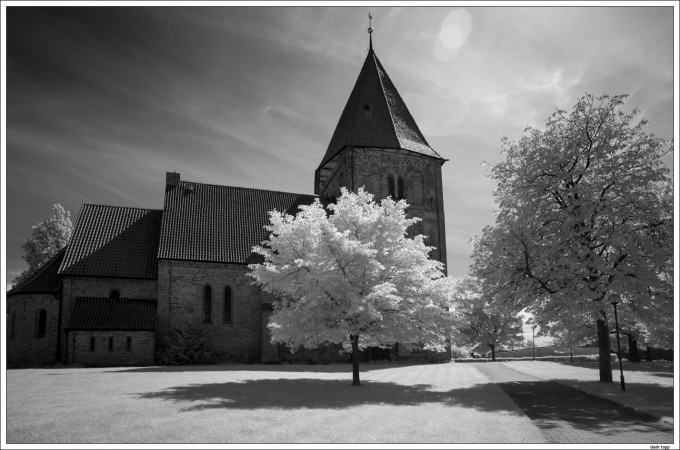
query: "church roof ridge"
247, 188
122, 207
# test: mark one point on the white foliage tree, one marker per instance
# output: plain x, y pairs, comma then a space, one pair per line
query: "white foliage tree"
47, 238
350, 275
585, 211
481, 324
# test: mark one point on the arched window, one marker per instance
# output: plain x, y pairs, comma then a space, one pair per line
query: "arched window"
401, 188
12, 324
114, 294
207, 304
40, 323
390, 186
110, 343
227, 304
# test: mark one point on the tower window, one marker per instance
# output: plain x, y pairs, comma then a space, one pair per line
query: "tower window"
110, 343
114, 294
128, 344
401, 188
227, 304
91, 343
207, 304
367, 107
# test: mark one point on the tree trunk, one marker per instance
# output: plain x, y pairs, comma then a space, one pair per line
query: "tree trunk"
355, 359
633, 354
605, 351
571, 352
493, 352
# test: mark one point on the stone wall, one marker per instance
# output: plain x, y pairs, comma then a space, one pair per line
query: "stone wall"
140, 352
181, 301
370, 168
423, 188
24, 347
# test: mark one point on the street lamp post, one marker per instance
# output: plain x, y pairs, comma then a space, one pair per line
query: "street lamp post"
614, 299
533, 340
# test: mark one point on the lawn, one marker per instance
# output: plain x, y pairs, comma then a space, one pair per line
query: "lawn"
431, 403
436, 403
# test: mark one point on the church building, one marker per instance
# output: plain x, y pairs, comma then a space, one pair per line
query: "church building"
130, 276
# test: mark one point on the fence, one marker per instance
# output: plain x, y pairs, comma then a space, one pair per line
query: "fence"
546, 351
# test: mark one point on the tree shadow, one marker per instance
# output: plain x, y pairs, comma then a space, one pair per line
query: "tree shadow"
310, 393
550, 403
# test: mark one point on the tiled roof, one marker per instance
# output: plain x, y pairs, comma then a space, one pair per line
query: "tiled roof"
98, 313
44, 280
205, 222
112, 241
376, 116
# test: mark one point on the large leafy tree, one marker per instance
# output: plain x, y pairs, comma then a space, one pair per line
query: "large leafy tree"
585, 211
47, 238
350, 275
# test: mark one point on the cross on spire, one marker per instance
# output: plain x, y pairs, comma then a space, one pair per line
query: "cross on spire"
370, 31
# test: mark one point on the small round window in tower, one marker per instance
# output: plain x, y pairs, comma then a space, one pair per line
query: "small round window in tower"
367, 107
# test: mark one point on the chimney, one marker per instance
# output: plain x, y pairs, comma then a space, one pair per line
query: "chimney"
171, 180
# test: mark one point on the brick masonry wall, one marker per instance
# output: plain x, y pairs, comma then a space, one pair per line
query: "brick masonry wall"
181, 289
24, 349
74, 287
370, 168
140, 354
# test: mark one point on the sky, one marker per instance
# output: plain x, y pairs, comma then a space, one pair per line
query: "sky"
102, 101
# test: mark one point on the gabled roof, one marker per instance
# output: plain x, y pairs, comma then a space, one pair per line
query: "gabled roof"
206, 222
113, 241
376, 116
44, 280
99, 313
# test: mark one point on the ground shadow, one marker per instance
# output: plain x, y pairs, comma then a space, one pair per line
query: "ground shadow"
310, 393
320, 368
659, 369
549, 404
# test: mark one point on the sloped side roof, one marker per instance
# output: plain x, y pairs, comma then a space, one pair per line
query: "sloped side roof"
112, 241
99, 313
376, 116
44, 280
205, 222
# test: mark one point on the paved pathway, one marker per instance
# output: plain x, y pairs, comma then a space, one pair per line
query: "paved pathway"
568, 415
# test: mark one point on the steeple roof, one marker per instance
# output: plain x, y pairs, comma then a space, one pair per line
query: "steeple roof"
376, 116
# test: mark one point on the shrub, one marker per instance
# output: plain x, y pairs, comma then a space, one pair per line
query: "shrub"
184, 346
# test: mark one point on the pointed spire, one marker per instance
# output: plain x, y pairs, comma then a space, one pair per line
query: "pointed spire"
370, 31
375, 116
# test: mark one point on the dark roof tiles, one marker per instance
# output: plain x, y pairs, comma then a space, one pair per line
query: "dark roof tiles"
112, 241
206, 222
376, 116
99, 313
44, 280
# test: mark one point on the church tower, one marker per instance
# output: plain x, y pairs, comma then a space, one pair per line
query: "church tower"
378, 145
